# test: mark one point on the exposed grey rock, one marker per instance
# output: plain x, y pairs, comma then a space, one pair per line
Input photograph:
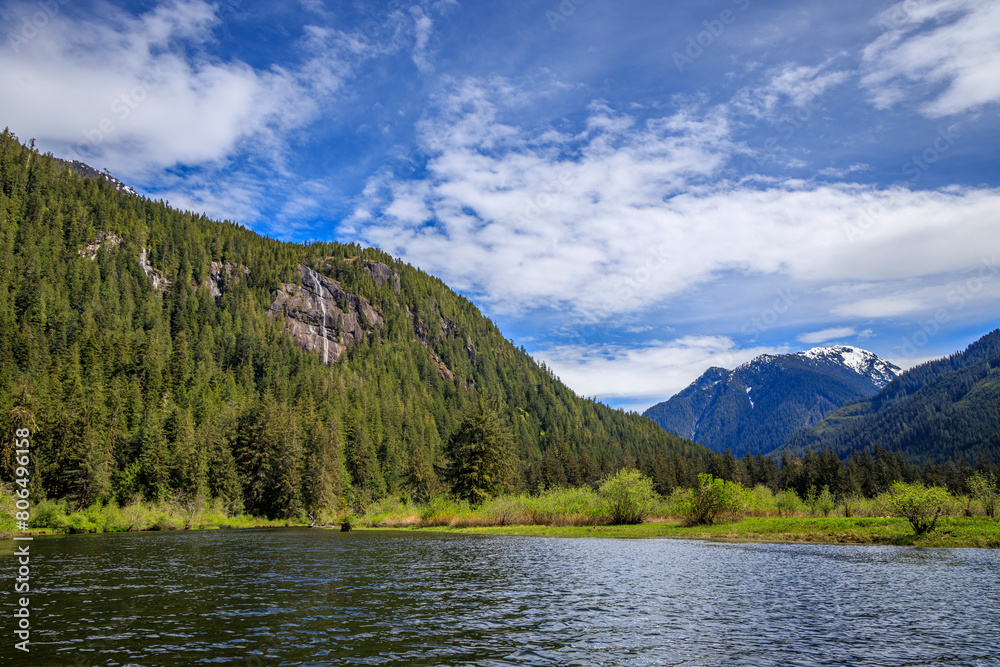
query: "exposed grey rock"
221, 277
320, 315
382, 274
103, 238
156, 277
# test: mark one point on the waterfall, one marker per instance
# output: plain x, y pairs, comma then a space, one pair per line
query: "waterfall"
322, 307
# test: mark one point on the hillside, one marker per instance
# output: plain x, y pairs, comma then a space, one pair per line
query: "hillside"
159, 354
757, 406
941, 410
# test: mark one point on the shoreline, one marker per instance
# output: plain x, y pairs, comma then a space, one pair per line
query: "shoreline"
952, 532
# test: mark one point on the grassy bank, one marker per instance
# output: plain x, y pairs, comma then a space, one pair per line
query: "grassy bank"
953, 532
755, 514
55, 516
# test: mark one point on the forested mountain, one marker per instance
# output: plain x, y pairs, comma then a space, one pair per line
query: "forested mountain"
757, 406
942, 410
156, 353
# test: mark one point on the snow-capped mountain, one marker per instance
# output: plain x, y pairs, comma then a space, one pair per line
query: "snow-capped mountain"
866, 363
757, 406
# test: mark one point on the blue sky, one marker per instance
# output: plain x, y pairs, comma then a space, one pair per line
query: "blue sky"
633, 191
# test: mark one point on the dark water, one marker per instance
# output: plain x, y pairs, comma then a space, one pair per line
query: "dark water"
316, 597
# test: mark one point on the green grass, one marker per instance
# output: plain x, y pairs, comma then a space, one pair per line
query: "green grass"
978, 532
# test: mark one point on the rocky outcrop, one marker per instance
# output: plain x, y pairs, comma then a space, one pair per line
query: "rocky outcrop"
221, 277
319, 315
155, 276
448, 328
103, 238
382, 274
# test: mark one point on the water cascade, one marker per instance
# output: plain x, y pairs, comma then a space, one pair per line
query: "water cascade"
322, 307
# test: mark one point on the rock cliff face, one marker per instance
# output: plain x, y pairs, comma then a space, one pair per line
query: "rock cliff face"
222, 276
103, 238
155, 276
382, 274
320, 315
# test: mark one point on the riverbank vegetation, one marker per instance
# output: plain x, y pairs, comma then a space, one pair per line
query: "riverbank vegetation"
626, 505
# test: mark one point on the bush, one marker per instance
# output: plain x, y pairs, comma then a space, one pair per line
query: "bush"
628, 497
569, 507
787, 502
983, 487
49, 514
759, 501
712, 498
921, 505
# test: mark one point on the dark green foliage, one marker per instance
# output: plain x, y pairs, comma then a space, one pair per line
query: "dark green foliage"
940, 411
786, 392
171, 393
480, 454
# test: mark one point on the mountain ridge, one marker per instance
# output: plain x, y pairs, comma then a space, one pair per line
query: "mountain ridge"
756, 406
943, 409
153, 350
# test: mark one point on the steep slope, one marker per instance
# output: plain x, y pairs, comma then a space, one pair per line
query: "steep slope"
158, 353
757, 406
938, 411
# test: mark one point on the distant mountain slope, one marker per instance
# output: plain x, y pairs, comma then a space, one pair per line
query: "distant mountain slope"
935, 412
757, 406
158, 353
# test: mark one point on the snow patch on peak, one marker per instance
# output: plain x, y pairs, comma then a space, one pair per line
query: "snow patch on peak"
860, 361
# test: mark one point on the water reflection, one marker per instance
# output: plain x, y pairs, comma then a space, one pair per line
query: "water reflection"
311, 597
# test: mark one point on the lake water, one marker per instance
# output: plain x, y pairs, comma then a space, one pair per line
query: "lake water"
318, 597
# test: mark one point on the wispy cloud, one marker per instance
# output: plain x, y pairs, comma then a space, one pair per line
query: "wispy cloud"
825, 335
630, 212
148, 96
949, 47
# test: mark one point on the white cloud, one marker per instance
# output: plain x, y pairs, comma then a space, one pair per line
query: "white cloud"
632, 213
798, 85
833, 333
140, 94
949, 46
638, 377
423, 26
114, 91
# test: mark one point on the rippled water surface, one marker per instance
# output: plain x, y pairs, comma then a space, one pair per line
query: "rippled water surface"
317, 597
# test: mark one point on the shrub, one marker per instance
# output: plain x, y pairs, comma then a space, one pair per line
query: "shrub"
443, 511
921, 505
49, 514
711, 498
825, 502
983, 487
787, 502
628, 497
759, 500
568, 506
